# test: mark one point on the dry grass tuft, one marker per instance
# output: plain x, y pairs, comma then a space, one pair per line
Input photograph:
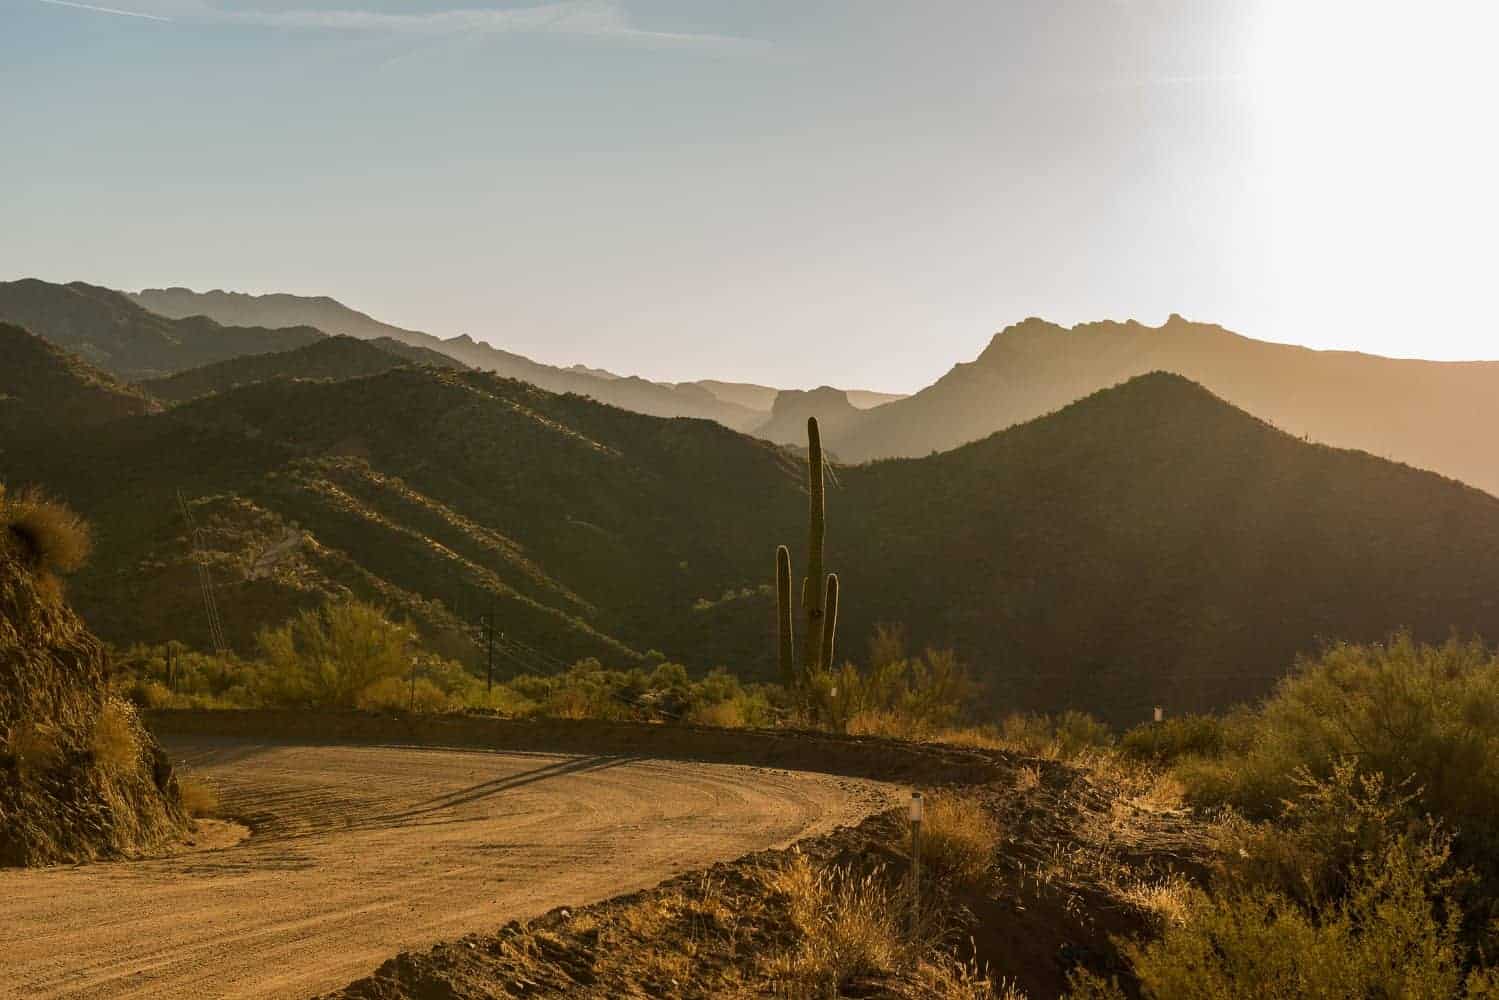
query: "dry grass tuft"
199, 798
1167, 899
36, 747
116, 742
53, 538
958, 838
848, 925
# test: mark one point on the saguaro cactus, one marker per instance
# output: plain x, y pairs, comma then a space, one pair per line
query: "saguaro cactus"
819, 605
816, 525
784, 616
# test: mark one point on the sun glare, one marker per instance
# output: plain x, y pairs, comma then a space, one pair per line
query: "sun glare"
1377, 124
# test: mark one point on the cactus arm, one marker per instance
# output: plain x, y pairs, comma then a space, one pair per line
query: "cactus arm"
830, 621
784, 616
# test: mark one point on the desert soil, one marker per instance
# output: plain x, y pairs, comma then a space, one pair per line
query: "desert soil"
359, 852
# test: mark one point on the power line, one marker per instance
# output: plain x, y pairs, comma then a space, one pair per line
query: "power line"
205, 580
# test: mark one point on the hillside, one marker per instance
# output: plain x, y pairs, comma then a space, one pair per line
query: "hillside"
331, 358
1433, 415
1149, 543
111, 332
79, 777
43, 386
630, 393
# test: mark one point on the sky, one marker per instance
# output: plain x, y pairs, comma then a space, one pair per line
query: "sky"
793, 192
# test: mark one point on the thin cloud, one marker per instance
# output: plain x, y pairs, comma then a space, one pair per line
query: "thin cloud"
107, 10
594, 18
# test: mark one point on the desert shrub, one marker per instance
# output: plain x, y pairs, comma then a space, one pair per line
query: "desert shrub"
1328, 831
1174, 738
199, 797
958, 837
909, 697
396, 693
53, 538
848, 925
328, 657
1395, 935
1423, 718
1064, 736
115, 741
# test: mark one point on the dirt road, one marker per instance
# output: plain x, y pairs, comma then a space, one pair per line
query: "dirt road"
363, 851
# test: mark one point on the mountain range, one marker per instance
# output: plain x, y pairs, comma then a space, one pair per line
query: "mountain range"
111, 332
1148, 544
742, 406
1434, 415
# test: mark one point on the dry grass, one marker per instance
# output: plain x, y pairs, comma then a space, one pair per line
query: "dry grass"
848, 925
724, 714
199, 798
958, 838
115, 742
1167, 899
891, 725
36, 747
55, 539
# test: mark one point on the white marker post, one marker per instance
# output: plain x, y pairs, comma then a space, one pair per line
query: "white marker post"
918, 810
1160, 713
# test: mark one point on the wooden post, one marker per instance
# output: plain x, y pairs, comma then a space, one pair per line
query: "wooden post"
917, 814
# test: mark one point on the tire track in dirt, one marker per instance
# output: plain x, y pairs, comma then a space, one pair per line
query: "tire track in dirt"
363, 851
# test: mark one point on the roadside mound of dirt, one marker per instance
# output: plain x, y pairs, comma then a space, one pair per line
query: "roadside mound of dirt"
80, 778
1080, 862
850, 756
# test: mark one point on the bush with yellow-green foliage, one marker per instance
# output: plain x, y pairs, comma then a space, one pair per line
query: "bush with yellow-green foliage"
897, 695
1423, 718
1344, 900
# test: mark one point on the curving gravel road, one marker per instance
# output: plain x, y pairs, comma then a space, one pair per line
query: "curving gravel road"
360, 852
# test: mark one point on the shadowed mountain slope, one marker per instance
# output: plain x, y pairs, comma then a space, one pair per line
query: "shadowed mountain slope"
1149, 544
108, 330
331, 358
631, 393
44, 387
1434, 415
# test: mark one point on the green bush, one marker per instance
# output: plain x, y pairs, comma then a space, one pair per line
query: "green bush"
1389, 938
1422, 718
328, 657
1175, 738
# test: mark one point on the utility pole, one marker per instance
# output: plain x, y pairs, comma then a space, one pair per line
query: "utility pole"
487, 621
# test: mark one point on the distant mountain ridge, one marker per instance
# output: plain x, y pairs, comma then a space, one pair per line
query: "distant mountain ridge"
111, 332
740, 405
331, 316
337, 357
1434, 415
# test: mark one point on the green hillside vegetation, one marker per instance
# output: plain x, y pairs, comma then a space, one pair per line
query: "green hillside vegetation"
1148, 545
331, 358
111, 332
42, 387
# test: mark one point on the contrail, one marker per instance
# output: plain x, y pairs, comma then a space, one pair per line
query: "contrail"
106, 10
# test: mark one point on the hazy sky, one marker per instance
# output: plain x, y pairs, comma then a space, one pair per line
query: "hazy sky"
798, 192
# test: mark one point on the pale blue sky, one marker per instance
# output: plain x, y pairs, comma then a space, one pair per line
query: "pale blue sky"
798, 192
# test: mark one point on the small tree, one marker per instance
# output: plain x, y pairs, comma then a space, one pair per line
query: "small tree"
330, 656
